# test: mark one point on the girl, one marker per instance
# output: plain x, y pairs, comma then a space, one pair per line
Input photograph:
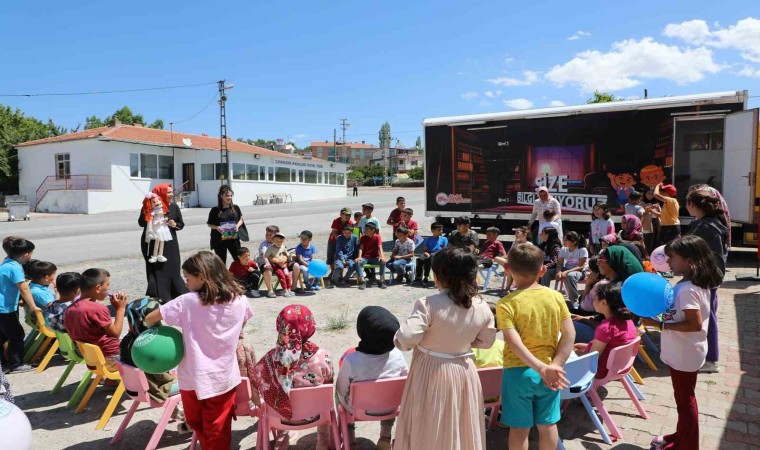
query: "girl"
615, 330
601, 225
293, 362
543, 202
632, 232
442, 404
572, 263
551, 245
211, 316
594, 280
375, 358
684, 334
711, 225
225, 220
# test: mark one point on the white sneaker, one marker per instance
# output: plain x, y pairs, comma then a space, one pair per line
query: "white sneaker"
152, 259
161, 258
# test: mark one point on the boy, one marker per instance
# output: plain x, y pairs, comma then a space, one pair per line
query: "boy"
403, 252
304, 254
491, 249
346, 247
463, 236
411, 225
394, 219
370, 252
278, 257
67, 285
521, 237
531, 319
335, 229
88, 321
266, 268
550, 220
367, 210
246, 272
41, 276
633, 206
670, 225
358, 217
13, 286
430, 246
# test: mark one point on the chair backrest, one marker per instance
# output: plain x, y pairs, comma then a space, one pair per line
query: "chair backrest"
580, 371
93, 357
308, 402
375, 398
490, 381
621, 359
134, 381
41, 325
243, 395
67, 347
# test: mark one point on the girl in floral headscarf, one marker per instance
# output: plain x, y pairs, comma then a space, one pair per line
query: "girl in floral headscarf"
293, 362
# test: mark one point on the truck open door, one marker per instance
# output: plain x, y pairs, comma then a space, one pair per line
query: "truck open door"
740, 167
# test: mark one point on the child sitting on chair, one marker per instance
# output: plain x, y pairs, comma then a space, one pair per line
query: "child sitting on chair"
246, 272
403, 252
67, 285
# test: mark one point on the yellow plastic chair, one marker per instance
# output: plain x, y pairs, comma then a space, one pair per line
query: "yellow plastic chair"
96, 362
50, 343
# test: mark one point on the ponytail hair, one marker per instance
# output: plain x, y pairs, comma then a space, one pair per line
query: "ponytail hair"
612, 293
578, 239
706, 202
458, 268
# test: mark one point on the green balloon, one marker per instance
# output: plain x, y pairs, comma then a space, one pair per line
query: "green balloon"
158, 349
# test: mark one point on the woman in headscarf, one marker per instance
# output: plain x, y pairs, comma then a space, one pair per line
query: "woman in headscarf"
543, 202
164, 279
631, 228
375, 358
295, 361
635, 247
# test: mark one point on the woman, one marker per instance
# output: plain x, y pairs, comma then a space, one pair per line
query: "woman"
442, 404
543, 202
635, 247
164, 279
225, 220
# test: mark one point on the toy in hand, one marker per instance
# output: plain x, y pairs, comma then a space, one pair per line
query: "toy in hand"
647, 294
154, 212
158, 349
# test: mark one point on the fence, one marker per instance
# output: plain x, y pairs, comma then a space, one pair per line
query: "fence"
73, 183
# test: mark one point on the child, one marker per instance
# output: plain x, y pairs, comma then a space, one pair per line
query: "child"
670, 225
463, 236
358, 215
88, 321
375, 358
367, 210
616, 329
394, 219
211, 316
13, 286
633, 206
522, 236
41, 276
601, 225
370, 252
650, 221
550, 220
491, 248
278, 257
551, 246
346, 247
335, 229
266, 267
572, 263
411, 225
684, 333
442, 404
535, 353
594, 280
67, 285
246, 272
430, 246
304, 254
401, 257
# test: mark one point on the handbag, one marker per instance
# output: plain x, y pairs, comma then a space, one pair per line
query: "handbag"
243, 233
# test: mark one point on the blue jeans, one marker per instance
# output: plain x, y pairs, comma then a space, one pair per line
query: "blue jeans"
349, 264
398, 266
375, 261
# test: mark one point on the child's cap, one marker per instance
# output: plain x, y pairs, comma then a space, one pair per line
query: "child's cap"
370, 225
305, 234
669, 189
345, 211
279, 235
369, 206
348, 227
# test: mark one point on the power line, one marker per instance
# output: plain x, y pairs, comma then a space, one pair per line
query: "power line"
196, 114
108, 92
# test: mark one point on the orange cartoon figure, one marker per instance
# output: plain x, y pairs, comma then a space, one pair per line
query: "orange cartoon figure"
652, 175
623, 185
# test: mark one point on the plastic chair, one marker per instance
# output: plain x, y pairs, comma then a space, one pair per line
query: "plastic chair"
486, 272
643, 355
619, 364
136, 385
580, 374
96, 362
40, 344
68, 350
33, 334
243, 407
408, 267
51, 343
381, 397
307, 403
490, 382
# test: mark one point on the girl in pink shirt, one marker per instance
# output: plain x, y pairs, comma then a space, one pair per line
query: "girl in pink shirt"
211, 316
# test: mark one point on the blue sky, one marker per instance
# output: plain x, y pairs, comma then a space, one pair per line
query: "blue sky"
299, 67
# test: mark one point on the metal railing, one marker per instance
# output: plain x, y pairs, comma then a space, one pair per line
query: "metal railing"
73, 183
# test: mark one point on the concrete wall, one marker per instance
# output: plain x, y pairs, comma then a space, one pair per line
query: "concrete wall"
65, 202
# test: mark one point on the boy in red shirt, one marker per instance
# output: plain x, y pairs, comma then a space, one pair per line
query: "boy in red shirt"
370, 252
394, 219
411, 225
491, 248
246, 272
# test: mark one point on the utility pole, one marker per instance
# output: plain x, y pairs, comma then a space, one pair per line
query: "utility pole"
386, 160
344, 124
225, 153
335, 138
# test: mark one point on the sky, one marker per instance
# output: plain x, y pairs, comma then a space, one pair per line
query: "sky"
298, 68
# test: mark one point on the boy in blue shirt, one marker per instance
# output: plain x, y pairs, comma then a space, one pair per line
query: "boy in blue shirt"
13, 286
345, 251
304, 254
41, 276
430, 245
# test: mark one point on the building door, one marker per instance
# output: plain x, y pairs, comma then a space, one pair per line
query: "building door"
741, 147
188, 177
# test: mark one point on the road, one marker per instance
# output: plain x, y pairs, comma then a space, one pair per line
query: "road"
70, 239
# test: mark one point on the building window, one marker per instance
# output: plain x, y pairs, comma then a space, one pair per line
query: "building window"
62, 166
282, 174
361, 153
414, 162
248, 172
311, 176
238, 171
211, 172
165, 167
145, 165
293, 176
271, 174
251, 172
333, 178
319, 152
134, 165
262, 173
300, 176
319, 177
341, 178
148, 166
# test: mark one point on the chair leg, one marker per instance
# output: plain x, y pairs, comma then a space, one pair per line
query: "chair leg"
169, 406
334, 429
634, 398
89, 393
649, 342
635, 376
34, 347
645, 356
636, 390
494, 414
48, 356
595, 419
43, 348
80, 389
343, 422
63, 377
111, 407
560, 445
29, 339
614, 431
125, 422
194, 440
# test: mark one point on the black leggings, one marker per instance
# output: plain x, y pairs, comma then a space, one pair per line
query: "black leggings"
221, 247
11, 332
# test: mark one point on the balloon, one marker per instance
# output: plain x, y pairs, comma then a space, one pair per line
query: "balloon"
659, 259
647, 294
17, 431
318, 268
158, 349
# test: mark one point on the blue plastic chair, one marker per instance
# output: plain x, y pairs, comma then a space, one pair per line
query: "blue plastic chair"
410, 267
486, 272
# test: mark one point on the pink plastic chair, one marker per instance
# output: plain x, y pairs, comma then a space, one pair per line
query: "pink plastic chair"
619, 363
307, 403
371, 401
243, 407
136, 385
490, 381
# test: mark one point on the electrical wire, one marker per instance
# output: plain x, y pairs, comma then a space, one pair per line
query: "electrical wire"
108, 92
216, 94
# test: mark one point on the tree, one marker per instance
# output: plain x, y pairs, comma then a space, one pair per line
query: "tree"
418, 143
385, 135
416, 173
125, 116
603, 97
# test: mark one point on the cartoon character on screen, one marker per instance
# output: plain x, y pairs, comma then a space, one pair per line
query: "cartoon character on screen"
623, 184
154, 212
652, 175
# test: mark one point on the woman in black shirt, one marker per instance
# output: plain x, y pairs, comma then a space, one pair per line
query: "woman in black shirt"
225, 220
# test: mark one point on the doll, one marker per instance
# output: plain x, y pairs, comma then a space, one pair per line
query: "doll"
154, 212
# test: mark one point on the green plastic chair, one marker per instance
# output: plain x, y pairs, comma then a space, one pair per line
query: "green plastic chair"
34, 340
69, 351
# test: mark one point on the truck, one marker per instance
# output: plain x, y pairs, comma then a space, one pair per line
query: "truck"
488, 166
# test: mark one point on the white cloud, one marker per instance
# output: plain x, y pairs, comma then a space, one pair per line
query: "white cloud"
508, 60
518, 103
556, 103
470, 95
630, 61
492, 94
484, 102
579, 34
748, 71
529, 77
744, 36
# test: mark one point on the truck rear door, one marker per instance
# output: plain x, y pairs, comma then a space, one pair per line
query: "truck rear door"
740, 167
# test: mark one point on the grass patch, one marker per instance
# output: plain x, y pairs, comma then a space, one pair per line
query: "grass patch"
340, 321
710, 382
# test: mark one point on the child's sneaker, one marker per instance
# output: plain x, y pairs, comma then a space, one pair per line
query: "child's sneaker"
362, 285
316, 287
271, 294
298, 291
425, 282
381, 284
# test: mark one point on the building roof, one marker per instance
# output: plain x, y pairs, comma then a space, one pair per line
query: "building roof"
338, 144
152, 136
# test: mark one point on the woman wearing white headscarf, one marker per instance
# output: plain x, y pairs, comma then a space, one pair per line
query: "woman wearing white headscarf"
544, 201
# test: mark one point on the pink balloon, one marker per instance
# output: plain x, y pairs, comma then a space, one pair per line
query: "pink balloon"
659, 259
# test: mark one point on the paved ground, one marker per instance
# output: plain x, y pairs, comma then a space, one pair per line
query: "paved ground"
729, 401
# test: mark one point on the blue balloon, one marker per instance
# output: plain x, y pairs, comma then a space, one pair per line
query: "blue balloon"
647, 294
318, 268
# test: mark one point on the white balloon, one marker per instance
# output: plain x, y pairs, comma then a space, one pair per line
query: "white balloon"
659, 259
17, 431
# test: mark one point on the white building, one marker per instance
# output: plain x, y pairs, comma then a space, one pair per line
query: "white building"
400, 160
112, 168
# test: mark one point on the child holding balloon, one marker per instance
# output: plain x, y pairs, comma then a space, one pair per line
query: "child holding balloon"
684, 333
